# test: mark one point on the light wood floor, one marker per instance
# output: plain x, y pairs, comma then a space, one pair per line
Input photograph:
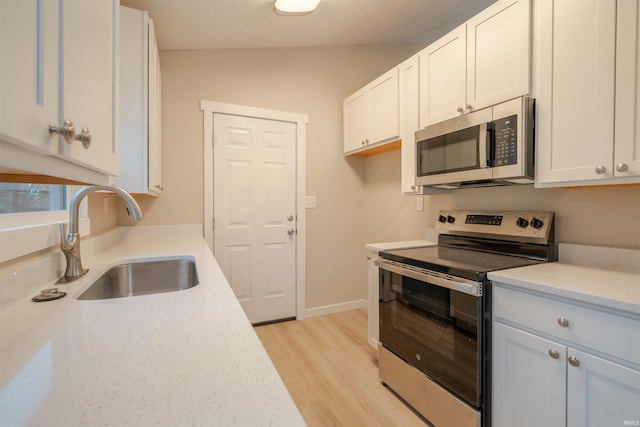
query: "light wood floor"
331, 372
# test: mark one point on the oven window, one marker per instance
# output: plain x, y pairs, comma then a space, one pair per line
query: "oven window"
449, 153
434, 329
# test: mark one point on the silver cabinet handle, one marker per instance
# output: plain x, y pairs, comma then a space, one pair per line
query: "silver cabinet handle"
555, 354
290, 218
622, 167
573, 361
460, 110
84, 137
366, 141
601, 170
563, 321
68, 133
159, 187
413, 187
290, 231
469, 107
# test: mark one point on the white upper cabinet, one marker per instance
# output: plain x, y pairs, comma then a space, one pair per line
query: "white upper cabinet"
586, 80
481, 63
50, 74
443, 78
140, 150
29, 46
89, 80
371, 115
408, 78
626, 155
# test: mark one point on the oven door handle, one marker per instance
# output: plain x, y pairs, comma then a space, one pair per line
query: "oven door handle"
436, 278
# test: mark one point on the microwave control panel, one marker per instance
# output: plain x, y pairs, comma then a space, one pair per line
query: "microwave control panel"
506, 141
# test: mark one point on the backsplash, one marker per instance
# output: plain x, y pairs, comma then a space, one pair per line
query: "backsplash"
600, 257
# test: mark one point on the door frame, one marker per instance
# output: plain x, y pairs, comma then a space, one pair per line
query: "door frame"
301, 120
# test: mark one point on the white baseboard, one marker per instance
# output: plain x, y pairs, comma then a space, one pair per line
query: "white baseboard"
335, 308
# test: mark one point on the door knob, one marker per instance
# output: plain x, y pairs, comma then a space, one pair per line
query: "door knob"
290, 231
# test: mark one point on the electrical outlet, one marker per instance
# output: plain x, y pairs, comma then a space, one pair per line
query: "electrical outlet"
419, 203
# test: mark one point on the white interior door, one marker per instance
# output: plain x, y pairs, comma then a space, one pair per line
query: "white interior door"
255, 212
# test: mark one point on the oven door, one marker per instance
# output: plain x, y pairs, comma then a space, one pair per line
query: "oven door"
456, 150
434, 323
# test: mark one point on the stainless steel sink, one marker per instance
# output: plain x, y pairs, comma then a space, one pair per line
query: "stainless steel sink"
143, 278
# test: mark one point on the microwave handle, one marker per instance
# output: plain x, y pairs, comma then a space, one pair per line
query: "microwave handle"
491, 145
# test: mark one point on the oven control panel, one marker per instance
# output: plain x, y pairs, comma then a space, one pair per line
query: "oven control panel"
518, 226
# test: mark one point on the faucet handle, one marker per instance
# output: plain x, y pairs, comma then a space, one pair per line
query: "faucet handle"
65, 241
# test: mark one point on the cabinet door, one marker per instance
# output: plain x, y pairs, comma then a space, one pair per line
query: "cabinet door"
356, 120
627, 120
600, 392
155, 114
384, 107
529, 388
89, 96
443, 78
408, 78
574, 74
373, 295
498, 53
29, 73
134, 113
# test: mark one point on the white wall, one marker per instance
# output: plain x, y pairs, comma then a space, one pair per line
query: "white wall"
602, 216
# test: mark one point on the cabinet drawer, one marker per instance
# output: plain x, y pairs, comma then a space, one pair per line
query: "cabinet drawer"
593, 328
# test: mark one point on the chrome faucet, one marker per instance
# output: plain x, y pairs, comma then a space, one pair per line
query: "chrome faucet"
70, 237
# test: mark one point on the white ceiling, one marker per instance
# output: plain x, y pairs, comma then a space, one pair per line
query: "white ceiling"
220, 24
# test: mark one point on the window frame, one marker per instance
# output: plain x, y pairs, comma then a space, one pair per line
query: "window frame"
29, 232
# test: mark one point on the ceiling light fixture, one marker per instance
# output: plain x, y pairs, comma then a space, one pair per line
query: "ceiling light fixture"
295, 7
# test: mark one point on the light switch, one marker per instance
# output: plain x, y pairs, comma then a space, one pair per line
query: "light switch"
310, 202
419, 203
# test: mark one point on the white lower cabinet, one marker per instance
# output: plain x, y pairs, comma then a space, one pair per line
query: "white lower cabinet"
373, 294
556, 363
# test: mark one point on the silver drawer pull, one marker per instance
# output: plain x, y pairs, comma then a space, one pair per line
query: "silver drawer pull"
573, 361
555, 354
563, 321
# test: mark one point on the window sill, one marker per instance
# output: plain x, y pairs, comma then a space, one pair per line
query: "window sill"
23, 234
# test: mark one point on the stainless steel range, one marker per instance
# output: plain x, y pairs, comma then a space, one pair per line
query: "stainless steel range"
435, 310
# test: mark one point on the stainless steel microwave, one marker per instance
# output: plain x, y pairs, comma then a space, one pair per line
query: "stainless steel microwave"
491, 146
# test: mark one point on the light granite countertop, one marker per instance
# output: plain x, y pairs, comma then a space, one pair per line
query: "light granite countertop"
182, 358
388, 246
605, 277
